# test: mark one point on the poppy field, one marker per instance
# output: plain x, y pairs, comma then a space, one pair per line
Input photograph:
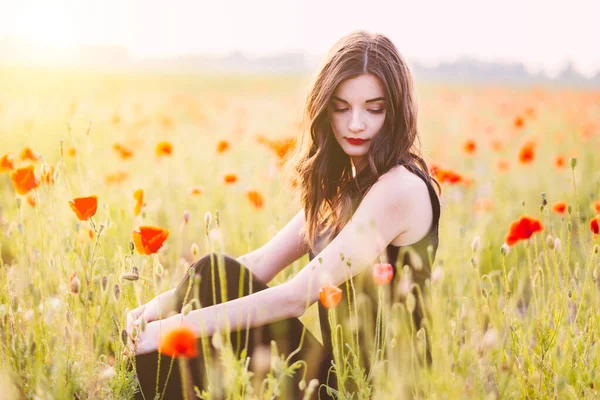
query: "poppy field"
113, 184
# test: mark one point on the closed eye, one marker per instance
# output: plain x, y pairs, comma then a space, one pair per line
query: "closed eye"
340, 110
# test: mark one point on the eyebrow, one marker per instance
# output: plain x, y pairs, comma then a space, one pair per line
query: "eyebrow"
368, 101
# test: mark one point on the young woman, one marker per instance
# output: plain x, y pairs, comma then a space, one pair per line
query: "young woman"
367, 197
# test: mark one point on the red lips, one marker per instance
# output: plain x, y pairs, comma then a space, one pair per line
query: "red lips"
356, 141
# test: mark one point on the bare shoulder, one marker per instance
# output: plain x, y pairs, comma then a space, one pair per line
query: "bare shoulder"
412, 195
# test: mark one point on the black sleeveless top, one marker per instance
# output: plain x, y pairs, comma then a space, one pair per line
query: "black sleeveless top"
366, 290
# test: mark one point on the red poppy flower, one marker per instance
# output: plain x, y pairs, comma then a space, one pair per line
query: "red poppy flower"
138, 196
196, 191
519, 122
7, 163
149, 239
280, 147
222, 146
503, 165
116, 177
470, 146
164, 149
123, 151
595, 225
527, 153
84, 207
382, 273
24, 179
256, 199
559, 161
596, 206
559, 207
28, 154
523, 229
230, 178
330, 295
179, 342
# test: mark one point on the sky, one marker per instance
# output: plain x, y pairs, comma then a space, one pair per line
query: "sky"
544, 35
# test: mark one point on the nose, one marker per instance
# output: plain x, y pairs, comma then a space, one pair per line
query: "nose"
356, 122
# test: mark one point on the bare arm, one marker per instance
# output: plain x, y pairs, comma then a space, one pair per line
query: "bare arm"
385, 212
283, 249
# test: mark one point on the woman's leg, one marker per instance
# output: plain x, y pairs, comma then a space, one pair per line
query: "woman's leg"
239, 282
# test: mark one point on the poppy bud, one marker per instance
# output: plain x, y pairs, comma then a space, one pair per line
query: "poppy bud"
195, 250
475, 244
104, 283
117, 292
544, 201
302, 384
75, 283
124, 337
411, 302
131, 247
504, 249
474, 262
557, 244
573, 162
550, 242
130, 276
158, 269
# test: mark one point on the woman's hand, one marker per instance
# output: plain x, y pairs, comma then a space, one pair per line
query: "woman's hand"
148, 341
154, 310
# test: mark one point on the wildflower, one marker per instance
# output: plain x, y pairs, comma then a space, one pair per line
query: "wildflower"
31, 200
330, 295
519, 122
123, 151
596, 206
222, 146
382, 273
230, 178
256, 199
559, 161
116, 177
149, 239
595, 225
84, 207
48, 172
178, 342
28, 154
24, 179
71, 152
164, 149
527, 152
186, 216
7, 163
138, 196
196, 191
281, 147
559, 207
470, 146
503, 165
523, 229
74, 283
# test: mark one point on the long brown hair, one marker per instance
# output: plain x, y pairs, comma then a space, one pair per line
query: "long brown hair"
328, 191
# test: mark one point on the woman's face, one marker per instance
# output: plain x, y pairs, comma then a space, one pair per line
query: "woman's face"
357, 112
